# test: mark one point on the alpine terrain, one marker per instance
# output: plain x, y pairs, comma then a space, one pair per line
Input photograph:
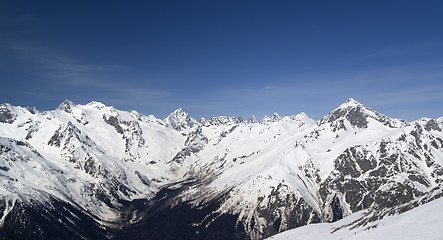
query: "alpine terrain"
94, 172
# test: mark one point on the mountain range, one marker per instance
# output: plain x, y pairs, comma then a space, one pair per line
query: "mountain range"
94, 172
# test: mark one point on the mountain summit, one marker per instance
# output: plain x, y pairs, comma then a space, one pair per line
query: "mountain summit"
357, 115
179, 120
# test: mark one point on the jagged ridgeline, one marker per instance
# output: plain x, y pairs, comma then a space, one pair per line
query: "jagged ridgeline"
94, 172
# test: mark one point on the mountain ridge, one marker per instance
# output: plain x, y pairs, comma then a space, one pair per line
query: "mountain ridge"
257, 178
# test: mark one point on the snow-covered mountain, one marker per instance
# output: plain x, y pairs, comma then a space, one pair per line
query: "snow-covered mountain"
92, 171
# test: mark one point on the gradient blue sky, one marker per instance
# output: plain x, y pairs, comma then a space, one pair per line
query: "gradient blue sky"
234, 58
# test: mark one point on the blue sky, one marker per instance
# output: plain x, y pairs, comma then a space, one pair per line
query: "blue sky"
234, 58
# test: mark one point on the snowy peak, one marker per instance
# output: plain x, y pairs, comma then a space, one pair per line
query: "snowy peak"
96, 105
7, 115
430, 124
358, 115
252, 119
350, 103
66, 106
354, 112
303, 118
180, 120
274, 118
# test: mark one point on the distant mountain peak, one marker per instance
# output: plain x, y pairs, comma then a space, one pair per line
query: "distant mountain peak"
302, 115
274, 118
351, 100
351, 110
97, 105
357, 115
179, 119
304, 118
350, 103
7, 115
179, 110
66, 106
253, 119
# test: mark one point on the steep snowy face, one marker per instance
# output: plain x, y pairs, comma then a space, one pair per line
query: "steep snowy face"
180, 120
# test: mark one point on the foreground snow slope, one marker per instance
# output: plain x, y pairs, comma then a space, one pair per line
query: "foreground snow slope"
422, 222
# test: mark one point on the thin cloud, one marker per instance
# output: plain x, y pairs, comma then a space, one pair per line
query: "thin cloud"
415, 50
91, 79
146, 92
417, 95
62, 68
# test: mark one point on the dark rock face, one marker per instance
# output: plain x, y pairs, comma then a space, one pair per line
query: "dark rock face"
159, 218
56, 138
195, 142
354, 162
66, 134
6, 115
131, 132
66, 106
362, 180
355, 116
281, 212
225, 133
432, 125
337, 211
58, 220
113, 121
166, 217
145, 180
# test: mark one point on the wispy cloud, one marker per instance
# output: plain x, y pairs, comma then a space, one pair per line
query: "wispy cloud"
387, 88
68, 73
418, 49
61, 68
421, 94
